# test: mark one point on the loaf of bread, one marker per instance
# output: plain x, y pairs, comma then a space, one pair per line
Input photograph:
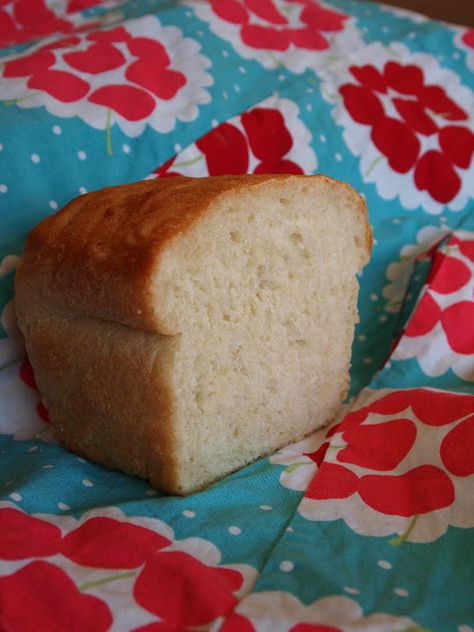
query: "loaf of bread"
181, 328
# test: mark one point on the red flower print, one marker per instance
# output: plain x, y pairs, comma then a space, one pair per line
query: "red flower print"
230, 10
237, 623
433, 408
435, 99
257, 36
332, 481
406, 79
397, 142
435, 174
418, 491
280, 610
438, 408
268, 137
266, 25
80, 5
63, 86
277, 32
228, 149
364, 106
456, 448
28, 20
415, 116
42, 412
24, 536
27, 375
379, 447
158, 626
401, 109
447, 274
108, 543
41, 596
130, 102
117, 34
464, 39
162, 172
457, 144
283, 166
98, 57
183, 591
148, 68
265, 10
225, 149
426, 316
466, 246
457, 322
394, 486
318, 456
124, 74
29, 64
468, 38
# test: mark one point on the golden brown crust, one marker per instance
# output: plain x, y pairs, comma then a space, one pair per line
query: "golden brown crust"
95, 407
98, 256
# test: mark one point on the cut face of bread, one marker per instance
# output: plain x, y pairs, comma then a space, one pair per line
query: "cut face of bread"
179, 329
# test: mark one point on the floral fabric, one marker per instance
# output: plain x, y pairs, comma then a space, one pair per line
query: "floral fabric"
364, 525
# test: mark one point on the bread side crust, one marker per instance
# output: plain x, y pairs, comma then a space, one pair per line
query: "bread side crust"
96, 408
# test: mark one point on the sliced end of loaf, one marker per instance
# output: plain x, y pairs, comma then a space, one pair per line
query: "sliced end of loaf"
263, 293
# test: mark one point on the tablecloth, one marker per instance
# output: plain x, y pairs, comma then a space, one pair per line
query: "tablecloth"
367, 525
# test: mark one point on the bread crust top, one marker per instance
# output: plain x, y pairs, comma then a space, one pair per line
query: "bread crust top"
99, 255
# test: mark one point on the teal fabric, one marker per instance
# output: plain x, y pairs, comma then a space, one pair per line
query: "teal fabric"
302, 558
